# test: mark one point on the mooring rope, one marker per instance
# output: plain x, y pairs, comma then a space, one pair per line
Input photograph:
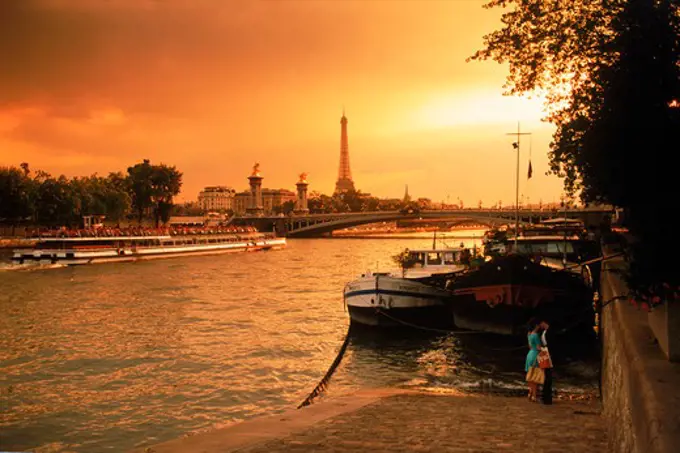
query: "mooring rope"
456, 332
323, 384
415, 326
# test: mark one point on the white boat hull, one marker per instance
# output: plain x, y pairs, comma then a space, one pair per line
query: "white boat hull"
127, 254
386, 300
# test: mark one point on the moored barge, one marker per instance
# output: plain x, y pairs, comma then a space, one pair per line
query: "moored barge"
412, 296
503, 294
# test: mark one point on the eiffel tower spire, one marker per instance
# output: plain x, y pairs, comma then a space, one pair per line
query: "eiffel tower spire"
344, 182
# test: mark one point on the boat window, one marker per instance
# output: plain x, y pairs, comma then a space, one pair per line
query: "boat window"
564, 247
418, 257
545, 247
449, 258
434, 258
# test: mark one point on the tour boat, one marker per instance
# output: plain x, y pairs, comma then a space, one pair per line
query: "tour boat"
503, 294
413, 296
103, 249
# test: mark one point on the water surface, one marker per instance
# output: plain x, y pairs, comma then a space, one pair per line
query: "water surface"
108, 357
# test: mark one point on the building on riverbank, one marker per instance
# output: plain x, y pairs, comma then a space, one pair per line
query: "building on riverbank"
216, 198
272, 200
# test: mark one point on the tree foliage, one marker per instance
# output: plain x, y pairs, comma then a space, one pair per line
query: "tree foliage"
610, 70
43, 199
17, 194
153, 188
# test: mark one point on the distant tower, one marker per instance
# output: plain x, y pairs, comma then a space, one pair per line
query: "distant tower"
255, 205
344, 182
407, 197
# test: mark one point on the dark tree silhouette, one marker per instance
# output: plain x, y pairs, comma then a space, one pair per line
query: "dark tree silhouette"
153, 188
17, 194
611, 69
139, 176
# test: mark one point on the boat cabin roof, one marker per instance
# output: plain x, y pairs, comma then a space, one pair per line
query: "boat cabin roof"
454, 249
546, 238
547, 245
436, 257
103, 238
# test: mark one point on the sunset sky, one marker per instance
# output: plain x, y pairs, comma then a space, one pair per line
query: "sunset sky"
213, 86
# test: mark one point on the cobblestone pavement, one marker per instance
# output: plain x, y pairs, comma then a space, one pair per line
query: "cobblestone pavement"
460, 423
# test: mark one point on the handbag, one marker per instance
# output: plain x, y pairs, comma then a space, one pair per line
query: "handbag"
536, 375
544, 360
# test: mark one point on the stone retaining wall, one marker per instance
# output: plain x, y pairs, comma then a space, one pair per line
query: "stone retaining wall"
640, 387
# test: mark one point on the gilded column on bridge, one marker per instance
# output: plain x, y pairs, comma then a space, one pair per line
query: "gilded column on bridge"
301, 202
255, 207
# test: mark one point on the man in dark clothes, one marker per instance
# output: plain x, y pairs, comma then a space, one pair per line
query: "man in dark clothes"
547, 392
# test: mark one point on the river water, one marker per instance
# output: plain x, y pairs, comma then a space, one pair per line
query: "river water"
108, 357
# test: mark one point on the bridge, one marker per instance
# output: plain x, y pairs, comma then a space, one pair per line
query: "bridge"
317, 225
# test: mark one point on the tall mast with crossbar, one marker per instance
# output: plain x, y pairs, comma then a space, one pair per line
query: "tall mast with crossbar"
515, 145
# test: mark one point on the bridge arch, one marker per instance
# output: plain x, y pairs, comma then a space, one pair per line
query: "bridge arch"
314, 225
325, 227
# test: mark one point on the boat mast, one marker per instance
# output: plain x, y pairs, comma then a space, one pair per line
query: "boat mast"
516, 146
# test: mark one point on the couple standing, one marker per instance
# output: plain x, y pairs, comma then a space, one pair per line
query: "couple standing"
538, 363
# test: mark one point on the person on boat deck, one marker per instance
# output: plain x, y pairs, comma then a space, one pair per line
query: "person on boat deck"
546, 393
532, 356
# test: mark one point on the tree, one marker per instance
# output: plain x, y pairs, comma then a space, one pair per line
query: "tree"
139, 177
319, 203
166, 183
405, 260
188, 209
153, 188
285, 208
17, 194
57, 203
612, 75
117, 197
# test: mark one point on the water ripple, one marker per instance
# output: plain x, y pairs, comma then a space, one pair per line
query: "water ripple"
109, 357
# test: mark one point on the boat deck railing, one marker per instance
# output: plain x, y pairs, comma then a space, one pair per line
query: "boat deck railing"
106, 232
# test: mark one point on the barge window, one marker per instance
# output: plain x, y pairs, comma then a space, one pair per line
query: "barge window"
434, 258
449, 258
419, 258
559, 247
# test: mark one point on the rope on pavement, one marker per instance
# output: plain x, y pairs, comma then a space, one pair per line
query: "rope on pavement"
323, 384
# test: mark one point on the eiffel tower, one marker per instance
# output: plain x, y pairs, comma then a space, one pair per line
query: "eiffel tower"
344, 183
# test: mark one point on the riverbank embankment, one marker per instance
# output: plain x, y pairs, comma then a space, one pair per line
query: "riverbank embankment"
406, 421
640, 387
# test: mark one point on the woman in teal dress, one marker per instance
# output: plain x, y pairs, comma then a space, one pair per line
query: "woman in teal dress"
532, 356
